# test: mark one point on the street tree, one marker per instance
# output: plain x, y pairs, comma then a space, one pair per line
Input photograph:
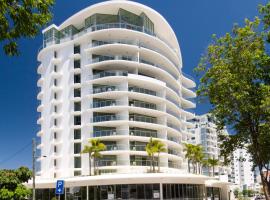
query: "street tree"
235, 79
21, 19
11, 183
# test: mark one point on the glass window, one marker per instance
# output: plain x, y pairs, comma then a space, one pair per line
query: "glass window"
77, 120
77, 92
77, 64
77, 148
77, 106
55, 68
55, 54
55, 135
77, 162
77, 134
77, 78
77, 49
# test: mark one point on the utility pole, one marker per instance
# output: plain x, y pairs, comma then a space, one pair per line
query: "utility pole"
34, 167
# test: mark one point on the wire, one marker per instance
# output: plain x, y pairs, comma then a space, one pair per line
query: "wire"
15, 153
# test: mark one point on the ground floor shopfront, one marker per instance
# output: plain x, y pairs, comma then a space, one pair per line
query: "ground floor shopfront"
154, 186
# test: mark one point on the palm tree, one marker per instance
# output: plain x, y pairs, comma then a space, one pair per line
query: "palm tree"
194, 155
150, 149
213, 163
89, 150
96, 146
160, 146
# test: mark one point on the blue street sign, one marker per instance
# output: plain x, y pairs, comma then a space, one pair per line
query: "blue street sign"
59, 188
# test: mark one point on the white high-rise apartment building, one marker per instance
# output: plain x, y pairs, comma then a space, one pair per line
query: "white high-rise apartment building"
113, 71
205, 133
242, 173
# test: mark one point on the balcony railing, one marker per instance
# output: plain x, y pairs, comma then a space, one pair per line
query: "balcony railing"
142, 104
142, 118
142, 90
109, 73
114, 57
142, 162
173, 139
103, 118
174, 152
173, 101
103, 89
174, 165
55, 40
173, 114
137, 147
104, 133
173, 126
104, 163
143, 133
115, 147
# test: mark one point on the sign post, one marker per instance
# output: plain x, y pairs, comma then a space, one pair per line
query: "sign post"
59, 188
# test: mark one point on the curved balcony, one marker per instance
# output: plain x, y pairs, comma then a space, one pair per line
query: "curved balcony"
103, 118
188, 81
108, 74
142, 118
143, 133
108, 133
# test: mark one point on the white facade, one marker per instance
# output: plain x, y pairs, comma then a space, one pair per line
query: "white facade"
122, 84
242, 173
206, 134
113, 71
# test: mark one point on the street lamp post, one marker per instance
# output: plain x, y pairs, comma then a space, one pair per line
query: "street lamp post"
34, 168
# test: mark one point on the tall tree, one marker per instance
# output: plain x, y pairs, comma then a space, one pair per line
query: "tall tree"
93, 150
194, 155
235, 79
11, 183
151, 150
20, 19
212, 162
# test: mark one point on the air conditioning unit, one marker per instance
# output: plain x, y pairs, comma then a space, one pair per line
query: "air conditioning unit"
114, 133
131, 104
134, 163
131, 133
131, 119
134, 149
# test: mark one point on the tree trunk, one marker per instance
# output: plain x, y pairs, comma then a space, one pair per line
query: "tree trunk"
94, 162
90, 165
213, 171
188, 166
266, 188
158, 164
153, 161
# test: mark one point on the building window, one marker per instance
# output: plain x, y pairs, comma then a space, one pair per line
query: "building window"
77, 162
55, 135
55, 82
54, 175
55, 149
77, 120
77, 106
55, 95
54, 162
77, 134
55, 54
77, 173
77, 148
77, 78
55, 68
55, 109
77, 92
77, 64
77, 49
55, 122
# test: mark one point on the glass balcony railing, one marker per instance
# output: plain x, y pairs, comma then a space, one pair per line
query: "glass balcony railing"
109, 73
104, 133
142, 104
142, 118
173, 126
104, 103
174, 165
137, 147
142, 90
159, 66
173, 139
143, 133
174, 152
142, 162
115, 147
173, 101
103, 118
173, 114
104, 163
103, 89
113, 57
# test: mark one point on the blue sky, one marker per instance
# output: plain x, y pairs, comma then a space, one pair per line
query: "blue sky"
194, 21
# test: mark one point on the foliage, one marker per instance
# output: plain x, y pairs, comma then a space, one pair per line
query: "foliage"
152, 148
212, 162
236, 81
195, 156
20, 19
11, 183
93, 150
